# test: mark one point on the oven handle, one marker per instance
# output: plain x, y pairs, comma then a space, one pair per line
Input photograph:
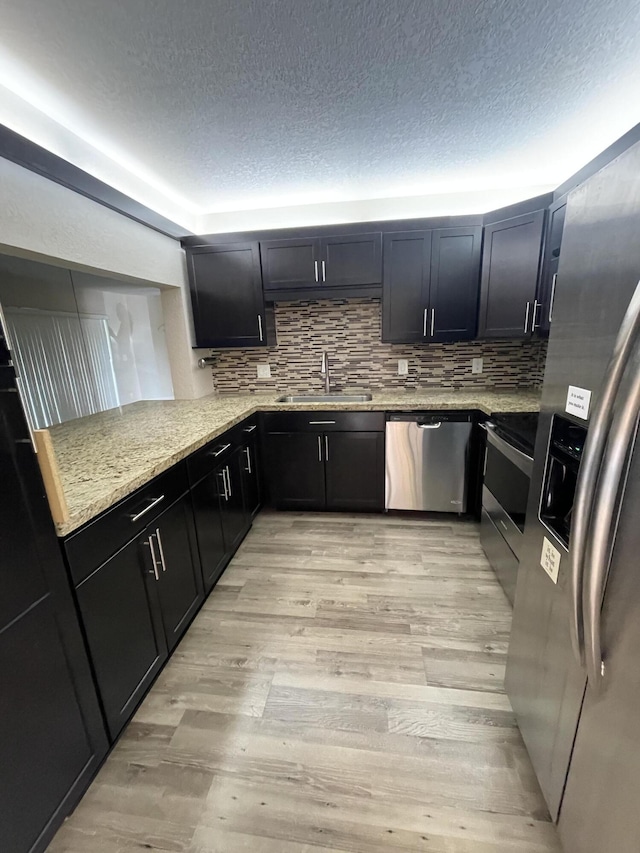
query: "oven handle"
521, 460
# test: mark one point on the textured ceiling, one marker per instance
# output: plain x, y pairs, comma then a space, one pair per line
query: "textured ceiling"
250, 103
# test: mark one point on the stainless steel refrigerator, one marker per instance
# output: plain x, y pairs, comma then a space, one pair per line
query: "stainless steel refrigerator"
573, 672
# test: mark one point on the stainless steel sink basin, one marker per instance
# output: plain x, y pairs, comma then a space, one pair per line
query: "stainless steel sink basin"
325, 398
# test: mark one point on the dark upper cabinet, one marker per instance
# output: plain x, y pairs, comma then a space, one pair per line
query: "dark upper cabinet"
546, 292
123, 625
290, 263
173, 549
295, 463
454, 287
227, 298
351, 260
430, 285
510, 271
354, 470
405, 288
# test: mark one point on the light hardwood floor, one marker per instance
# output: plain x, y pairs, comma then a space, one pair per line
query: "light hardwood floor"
341, 690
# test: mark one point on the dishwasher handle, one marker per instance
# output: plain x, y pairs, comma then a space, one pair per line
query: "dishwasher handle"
437, 425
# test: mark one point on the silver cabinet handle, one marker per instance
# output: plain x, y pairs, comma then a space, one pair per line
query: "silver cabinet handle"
319, 449
553, 295
536, 305
526, 317
315, 264
215, 453
324, 271
589, 472
326, 448
424, 323
430, 426
224, 484
159, 538
154, 571
433, 320
228, 480
154, 502
248, 468
249, 429
311, 423
260, 327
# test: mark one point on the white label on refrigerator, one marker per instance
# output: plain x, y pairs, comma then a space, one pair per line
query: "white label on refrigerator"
550, 559
578, 401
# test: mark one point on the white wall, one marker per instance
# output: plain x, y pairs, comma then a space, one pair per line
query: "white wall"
44, 221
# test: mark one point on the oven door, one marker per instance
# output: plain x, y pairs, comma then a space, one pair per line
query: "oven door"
507, 477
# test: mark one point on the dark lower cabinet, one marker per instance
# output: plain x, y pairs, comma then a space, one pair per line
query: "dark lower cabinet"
251, 477
235, 520
177, 568
52, 734
354, 465
331, 470
206, 496
123, 625
296, 470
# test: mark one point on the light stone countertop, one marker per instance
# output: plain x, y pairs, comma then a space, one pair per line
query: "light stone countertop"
103, 458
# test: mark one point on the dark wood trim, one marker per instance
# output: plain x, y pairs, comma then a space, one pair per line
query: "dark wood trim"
36, 159
599, 162
520, 208
362, 291
310, 231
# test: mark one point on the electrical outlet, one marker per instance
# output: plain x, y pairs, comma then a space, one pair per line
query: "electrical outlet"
403, 367
264, 371
476, 365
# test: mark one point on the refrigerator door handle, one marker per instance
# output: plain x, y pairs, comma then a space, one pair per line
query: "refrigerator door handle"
604, 521
592, 457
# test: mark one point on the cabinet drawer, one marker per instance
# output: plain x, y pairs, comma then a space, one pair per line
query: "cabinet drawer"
99, 539
323, 421
209, 457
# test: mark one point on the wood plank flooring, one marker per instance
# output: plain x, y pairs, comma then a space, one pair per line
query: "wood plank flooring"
341, 690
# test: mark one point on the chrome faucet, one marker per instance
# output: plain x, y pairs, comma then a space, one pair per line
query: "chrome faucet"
325, 372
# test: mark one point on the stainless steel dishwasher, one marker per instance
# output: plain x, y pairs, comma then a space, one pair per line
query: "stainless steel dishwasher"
426, 461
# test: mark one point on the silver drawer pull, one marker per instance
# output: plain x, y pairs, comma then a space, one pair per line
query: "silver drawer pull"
147, 509
250, 429
315, 423
215, 453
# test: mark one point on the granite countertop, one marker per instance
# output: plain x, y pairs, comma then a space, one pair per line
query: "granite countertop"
105, 457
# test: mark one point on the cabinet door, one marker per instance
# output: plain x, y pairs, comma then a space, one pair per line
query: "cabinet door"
290, 263
121, 616
351, 260
546, 293
510, 267
235, 520
226, 293
251, 478
455, 284
206, 496
405, 286
355, 470
44, 746
296, 470
179, 577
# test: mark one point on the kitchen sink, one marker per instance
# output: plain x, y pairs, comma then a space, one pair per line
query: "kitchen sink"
325, 398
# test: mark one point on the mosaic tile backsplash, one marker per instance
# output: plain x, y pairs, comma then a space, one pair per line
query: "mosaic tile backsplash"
350, 331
